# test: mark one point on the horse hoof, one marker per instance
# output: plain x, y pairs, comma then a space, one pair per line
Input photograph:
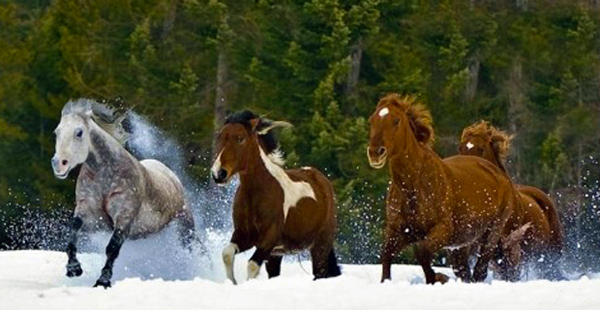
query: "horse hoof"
442, 278
74, 270
103, 283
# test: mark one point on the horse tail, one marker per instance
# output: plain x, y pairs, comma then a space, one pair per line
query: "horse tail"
333, 269
557, 236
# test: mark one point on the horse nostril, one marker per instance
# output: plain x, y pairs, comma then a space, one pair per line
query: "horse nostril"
381, 151
222, 175
64, 162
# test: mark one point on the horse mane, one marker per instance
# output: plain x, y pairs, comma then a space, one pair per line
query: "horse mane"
499, 140
419, 116
115, 124
266, 137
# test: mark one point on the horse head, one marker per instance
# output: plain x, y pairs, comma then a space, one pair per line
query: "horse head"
484, 140
239, 139
396, 120
73, 133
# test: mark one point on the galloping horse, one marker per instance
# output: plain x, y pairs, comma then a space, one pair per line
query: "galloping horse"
114, 191
545, 237
434, 203
276, 210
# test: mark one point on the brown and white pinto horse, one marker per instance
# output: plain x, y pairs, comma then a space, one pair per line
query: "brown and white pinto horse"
545, 237
434, 203
276, 210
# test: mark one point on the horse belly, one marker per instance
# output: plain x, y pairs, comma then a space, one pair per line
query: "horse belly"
149, 222
471, 221
304, 223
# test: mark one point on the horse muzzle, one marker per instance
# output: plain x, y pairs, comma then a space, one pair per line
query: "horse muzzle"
377, 156
221, 176
60, 168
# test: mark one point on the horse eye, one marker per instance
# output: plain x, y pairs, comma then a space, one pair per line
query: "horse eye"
240, 140
79, 133
396, 121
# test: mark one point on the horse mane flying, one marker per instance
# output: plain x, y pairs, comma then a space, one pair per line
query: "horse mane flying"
499, 140
419, 116
115, 124
263, 128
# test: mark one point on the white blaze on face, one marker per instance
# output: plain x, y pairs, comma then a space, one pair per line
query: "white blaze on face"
470, 145
383, 112
292, 191
216, 165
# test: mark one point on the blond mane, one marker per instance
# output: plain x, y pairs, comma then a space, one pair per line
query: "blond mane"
418, 115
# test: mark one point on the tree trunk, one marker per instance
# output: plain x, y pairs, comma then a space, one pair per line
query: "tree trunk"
353, 76
221, 102
522, 5
516, 99
169, 19
473, 78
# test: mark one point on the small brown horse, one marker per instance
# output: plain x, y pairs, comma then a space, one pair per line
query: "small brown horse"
276, 210
434, 203
545, 237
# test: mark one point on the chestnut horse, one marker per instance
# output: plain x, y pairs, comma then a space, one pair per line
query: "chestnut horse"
543, 242
276, 210
434, 203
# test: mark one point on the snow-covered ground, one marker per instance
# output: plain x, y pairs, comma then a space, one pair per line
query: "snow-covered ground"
36, 280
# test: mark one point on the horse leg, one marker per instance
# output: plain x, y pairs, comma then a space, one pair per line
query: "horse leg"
323, 258
187, 228
274, 266
229, 259
459, 259
426, 248
239, 243
73, 265
489, 247
392, 244
112, 252
256, 261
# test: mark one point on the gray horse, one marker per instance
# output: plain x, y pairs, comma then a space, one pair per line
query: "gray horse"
114, 191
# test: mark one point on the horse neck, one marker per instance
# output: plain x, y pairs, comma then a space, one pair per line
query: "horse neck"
256, 173
104, 149
495, 159
409, 168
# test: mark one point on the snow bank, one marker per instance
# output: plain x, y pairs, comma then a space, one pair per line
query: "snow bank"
35, 280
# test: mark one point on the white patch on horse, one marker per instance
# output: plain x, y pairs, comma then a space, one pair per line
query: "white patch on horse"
253, 269
292, 191
228, 258
383, 112
216, 165
277, 157
306, 168
470, 145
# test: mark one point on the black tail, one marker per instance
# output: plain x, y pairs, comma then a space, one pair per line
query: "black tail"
333, 269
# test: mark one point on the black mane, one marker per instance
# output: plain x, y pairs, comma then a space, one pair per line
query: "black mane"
268, 140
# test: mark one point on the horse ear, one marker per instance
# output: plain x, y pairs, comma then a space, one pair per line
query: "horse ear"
254, 123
